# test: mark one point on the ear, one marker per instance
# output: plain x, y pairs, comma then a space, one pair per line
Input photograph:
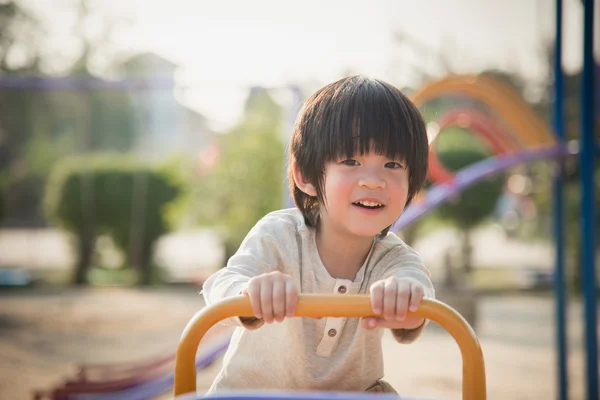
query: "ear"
302, 183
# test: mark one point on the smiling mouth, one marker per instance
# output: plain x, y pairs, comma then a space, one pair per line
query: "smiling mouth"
371, 205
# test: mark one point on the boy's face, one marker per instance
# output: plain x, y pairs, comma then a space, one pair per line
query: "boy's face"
364, 194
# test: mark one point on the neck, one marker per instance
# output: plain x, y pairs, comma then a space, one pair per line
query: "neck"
342, 255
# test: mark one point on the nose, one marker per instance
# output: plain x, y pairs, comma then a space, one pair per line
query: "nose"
371, 180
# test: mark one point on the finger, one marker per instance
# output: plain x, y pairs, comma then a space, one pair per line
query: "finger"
369, 323
253, 291
278, 300
416, 296
291, 298
389, 300
377, 298
402, 299
266, 301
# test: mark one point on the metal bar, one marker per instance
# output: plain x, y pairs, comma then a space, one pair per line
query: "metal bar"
84, 83
588, 211
156, 82
468, 176
313, 305
559, 224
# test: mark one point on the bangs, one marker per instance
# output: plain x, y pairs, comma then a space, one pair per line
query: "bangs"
369, 116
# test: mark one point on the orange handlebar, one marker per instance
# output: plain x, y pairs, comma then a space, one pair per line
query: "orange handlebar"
311, 305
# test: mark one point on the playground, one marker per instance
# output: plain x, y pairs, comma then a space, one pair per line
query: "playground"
509, 189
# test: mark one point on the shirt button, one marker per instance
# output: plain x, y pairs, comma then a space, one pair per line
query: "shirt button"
332, 332
342, 289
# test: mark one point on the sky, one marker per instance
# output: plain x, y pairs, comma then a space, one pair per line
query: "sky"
224, 47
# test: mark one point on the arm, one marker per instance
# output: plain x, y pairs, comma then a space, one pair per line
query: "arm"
258, 254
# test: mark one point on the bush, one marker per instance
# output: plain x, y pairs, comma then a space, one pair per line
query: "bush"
112, 195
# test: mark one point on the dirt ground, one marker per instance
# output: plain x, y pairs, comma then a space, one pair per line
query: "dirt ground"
46, 332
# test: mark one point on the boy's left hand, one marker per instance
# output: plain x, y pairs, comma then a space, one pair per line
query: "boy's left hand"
393, 298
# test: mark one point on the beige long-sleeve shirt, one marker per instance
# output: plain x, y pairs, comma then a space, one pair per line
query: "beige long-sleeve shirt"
304, 353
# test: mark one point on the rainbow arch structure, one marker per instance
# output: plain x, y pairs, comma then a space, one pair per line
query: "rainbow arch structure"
513, 132
500, 99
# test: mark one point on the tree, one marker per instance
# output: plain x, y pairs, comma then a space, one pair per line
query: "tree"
472, 205
39, 127
246, 181
20, 35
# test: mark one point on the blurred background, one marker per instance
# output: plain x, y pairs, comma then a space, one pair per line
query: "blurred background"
141, 140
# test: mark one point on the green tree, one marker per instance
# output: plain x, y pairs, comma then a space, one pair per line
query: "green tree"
246, 181
39, 127
20, 32
473, 205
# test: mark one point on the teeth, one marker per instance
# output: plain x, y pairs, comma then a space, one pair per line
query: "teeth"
369, 203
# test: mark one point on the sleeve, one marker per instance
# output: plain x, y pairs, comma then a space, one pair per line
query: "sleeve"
258, 254
409, 264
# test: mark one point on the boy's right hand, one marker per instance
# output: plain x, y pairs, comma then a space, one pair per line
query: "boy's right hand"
273, 296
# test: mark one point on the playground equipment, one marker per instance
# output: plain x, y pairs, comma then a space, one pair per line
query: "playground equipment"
136, 380
311, 305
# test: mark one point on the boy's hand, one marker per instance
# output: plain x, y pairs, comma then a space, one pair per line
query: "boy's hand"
273, 296
393, 298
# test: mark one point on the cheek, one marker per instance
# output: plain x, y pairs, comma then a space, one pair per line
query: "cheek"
338, 187
400, 188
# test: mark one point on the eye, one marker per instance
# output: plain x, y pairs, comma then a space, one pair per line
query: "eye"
350, 163
394, 165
